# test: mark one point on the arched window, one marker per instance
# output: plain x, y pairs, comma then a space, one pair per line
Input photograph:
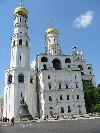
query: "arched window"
62, 110
31, 79
48, 76
69, 109
14, 43
9, 79
49, 86
20, 19
20, 57
44, 59
67, 97
44, 67
59, 86
21, 94
66, 86
81, 68
21, 78
20, 42
56, 64
61, 98
50, 98
67, 60
89, 67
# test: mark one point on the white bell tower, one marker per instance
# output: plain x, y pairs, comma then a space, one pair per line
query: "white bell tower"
19, 78
52, 42
20, 52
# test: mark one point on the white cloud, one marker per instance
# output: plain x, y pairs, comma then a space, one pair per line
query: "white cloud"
33, 64
83, 20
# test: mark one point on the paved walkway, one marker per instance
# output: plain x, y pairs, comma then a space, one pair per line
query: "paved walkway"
63, 126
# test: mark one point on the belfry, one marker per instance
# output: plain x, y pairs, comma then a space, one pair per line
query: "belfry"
54, 87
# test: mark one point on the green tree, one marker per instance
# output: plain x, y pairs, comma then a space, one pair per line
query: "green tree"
89, 95
96, 108
97, 92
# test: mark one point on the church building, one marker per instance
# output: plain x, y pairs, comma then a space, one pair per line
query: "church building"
54, 86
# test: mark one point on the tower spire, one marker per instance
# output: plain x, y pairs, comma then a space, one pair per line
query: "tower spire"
20, 2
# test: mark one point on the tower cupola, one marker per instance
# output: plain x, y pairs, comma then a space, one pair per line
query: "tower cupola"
51, 30
52, 42
21, 11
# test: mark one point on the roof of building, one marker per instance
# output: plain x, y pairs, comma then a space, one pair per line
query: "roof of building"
50, 30
21, 11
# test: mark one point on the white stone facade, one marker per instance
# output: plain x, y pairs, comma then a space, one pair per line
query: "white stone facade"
54, 86
20, 79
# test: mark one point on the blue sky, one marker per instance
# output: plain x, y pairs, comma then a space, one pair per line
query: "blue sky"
77, 21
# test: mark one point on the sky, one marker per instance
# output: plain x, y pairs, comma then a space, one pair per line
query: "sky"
78, 22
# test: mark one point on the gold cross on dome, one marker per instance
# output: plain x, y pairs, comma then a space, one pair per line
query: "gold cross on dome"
51, 22
20, 2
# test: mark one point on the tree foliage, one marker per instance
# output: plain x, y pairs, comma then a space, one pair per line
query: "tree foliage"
89, 95
92, 96
96, 108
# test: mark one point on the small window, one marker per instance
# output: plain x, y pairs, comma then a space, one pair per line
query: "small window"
66, 86
20, 57
50, 98
61, 98
59, 86
44, 67
69, 110
68, 66
44, 59
80, 67
76, 86
26, 43
14, 43
54, 39
48, 76
67, 97
67, 60
89, 67
78, 58
20, 42
90, 72
62, 110
31, 79
10, 79
75, 76
20, 19
21, 94
25, 20
51, 108
20, 78
49, 86
77, 96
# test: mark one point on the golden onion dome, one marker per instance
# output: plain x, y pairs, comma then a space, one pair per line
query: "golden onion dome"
21, 11
51, 30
